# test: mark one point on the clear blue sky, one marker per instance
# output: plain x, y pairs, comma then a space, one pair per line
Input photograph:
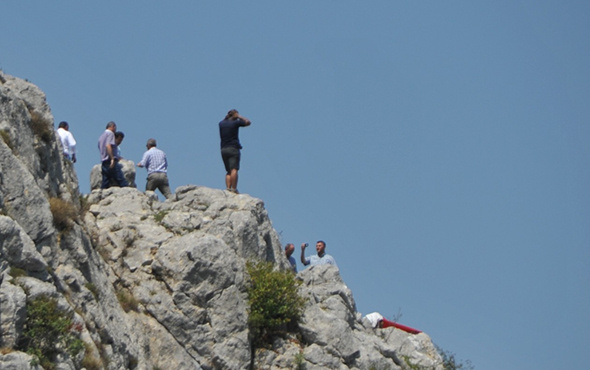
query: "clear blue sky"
440, 148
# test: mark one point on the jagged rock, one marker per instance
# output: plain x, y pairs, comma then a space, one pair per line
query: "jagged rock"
17, 361
17, 248
155, 284
27, 138
12, 301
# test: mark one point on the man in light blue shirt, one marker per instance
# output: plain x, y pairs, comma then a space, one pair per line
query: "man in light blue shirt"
322, 258
156, 164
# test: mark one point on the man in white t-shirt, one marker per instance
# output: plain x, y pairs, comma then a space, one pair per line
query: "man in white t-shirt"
67, 141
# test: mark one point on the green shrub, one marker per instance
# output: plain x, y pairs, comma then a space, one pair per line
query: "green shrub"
275, 305
64, 213
49, 331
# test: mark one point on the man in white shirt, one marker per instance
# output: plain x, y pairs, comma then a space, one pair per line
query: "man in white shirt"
67, 141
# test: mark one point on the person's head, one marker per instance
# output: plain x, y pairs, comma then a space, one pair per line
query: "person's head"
119, 136
112, 126
289, 249
320, 247
151, 143
233, 113
64, 125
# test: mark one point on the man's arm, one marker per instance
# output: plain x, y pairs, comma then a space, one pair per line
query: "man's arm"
142, 163
72, 145
246, 120
109, 149
303, 260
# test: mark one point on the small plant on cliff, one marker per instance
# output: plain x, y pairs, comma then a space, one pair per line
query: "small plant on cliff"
84, 205
451, 363
16, 272
160, 216
6, 138
49, 331
41, 126
299, 361
275, 306
128, 302
63, 213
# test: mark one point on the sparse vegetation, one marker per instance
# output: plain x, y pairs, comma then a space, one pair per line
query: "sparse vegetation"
90, 362
49, 331
5, 350
41, 127
16, 272
450, 362
411, 365
127, 301
84, 205
299, 361
93, 289
160, 216
64, 213
6, 138
275, 305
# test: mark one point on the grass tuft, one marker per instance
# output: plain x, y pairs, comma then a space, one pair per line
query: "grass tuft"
64, 213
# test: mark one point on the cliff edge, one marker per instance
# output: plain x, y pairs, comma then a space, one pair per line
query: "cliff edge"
155, 285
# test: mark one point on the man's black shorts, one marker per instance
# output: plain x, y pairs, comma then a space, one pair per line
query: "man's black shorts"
231, 158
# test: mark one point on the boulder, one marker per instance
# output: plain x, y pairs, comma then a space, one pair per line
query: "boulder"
127, 166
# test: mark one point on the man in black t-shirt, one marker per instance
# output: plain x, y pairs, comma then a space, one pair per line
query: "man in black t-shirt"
230, 147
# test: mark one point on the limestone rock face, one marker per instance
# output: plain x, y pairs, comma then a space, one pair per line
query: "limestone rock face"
153, 284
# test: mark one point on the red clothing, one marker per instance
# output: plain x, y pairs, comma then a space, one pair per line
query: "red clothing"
387, 324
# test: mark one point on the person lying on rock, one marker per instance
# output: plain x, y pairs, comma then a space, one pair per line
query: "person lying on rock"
322, 258
378, 321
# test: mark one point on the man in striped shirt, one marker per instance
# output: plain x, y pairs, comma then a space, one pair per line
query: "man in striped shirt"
154, 161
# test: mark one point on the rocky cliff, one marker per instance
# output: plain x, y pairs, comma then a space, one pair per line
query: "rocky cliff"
156, 285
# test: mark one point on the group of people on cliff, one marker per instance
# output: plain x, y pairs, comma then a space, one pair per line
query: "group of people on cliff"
321, 258
154, 160
156, 164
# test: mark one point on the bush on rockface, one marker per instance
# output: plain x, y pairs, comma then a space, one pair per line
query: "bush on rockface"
41, 127
64, 213
49, 331
275, 305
